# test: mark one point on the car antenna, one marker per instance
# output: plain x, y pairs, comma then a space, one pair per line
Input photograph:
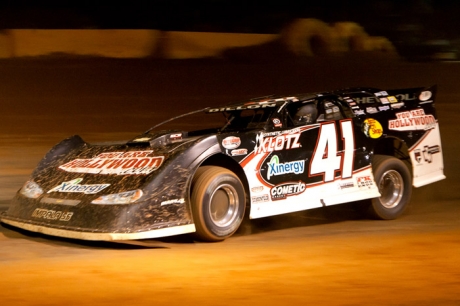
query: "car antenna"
177, 117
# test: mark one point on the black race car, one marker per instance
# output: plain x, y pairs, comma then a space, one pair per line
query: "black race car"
270, 156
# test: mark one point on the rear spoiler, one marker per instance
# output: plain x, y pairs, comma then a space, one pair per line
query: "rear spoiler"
422, 95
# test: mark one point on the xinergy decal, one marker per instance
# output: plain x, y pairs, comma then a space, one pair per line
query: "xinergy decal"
119, 163
74, 186
276, 168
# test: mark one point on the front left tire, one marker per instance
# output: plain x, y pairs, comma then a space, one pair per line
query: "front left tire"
218, 203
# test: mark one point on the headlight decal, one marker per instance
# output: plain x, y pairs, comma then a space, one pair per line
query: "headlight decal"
127, 197
31, 190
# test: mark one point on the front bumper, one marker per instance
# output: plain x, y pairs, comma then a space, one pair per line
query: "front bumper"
99, 222
99, 236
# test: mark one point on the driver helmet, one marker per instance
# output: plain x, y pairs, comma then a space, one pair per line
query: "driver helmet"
306, 114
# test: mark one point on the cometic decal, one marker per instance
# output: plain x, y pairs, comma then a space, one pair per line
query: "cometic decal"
282, 191
119, 163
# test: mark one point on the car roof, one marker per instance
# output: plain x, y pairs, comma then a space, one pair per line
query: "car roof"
273, 101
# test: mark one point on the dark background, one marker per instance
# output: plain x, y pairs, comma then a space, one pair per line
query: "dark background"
432, 19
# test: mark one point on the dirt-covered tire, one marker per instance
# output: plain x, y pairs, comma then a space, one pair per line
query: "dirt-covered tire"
394, 181
218, 203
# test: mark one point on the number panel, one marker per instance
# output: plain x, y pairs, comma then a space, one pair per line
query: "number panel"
327, 159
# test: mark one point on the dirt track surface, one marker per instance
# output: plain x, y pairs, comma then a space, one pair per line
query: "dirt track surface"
323, 257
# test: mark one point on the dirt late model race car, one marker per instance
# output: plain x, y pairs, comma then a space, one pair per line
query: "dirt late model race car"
270, 156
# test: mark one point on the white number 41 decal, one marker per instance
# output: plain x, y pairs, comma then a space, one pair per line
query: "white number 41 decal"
326, 159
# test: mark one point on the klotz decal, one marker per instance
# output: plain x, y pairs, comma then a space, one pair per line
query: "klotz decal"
285, 190
276, 168
74, 186
231, 142
412, 120
372, 128
266, 144
119, 163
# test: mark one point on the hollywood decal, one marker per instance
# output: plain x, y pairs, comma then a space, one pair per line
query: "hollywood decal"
412, 121
118, 163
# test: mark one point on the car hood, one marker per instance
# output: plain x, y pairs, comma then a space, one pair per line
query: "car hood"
91, 170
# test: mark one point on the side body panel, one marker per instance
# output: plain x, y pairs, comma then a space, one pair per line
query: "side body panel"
306, 167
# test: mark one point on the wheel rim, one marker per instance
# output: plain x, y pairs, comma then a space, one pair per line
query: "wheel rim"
391, 188
224, 205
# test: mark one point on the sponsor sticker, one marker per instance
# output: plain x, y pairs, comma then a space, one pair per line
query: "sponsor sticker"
276, 168
371, 110
285, 141
364, 181
142, 139
177, 136
239, 152
384, 100
366, 100
392, 99
425, 95
384, 108
277, 122
397, 105
412, 120
257, 189
359, 112
241, 107
426, 154
173, 201
282, 191
231, 142
261, 198
372, 128
118, 163
381, 93
48, 214
74, 186
346, 185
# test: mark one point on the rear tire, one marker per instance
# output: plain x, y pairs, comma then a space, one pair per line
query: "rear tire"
394, 181
218, 203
